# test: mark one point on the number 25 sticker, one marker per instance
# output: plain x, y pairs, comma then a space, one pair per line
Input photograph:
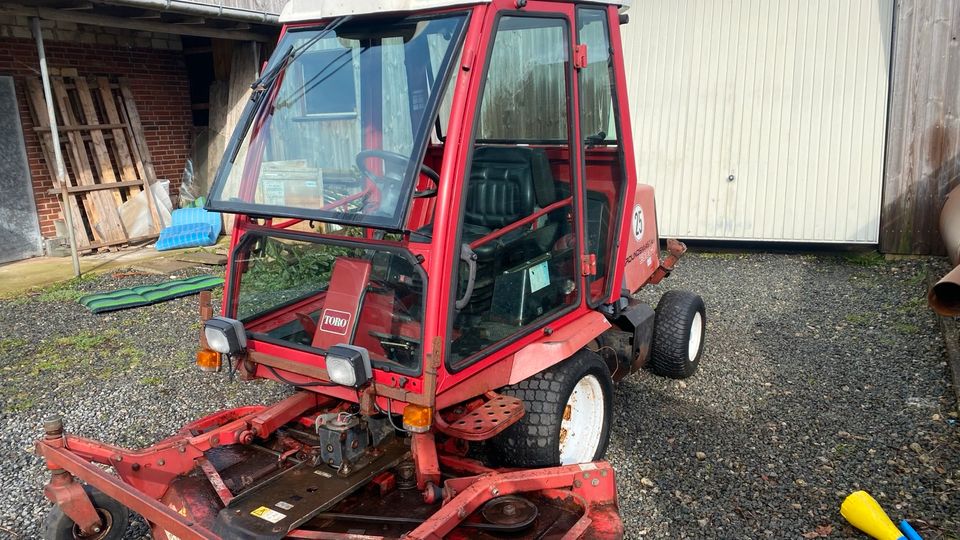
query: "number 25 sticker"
638, 222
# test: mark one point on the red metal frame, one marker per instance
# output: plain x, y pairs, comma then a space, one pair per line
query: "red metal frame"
143, 477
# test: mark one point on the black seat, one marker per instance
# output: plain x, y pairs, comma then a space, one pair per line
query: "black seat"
506, 184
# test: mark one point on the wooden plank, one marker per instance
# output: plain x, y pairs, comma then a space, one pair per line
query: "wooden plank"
128, 171
46, 129
103, 163
140, 142
106, 219
219, 107
39, 106
100, 187
923, 135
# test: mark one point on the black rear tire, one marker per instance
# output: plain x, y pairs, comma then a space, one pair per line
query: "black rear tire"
673, 355
535, 440
115, 516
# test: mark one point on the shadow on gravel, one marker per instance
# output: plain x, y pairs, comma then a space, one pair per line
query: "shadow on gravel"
822, 375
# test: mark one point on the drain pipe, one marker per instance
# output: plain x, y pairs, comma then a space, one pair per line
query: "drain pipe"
58, 155
201, 10
944, 297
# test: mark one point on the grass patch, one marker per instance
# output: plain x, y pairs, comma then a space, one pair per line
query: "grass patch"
9, 344
49, 362
919, 277
64, 291
151, 380
865, 258
913, 305
130, 356
85, 341
723, 256
860, 318
907, 328
19, 402
842, 448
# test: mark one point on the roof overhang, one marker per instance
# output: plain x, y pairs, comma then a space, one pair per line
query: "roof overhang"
310, 10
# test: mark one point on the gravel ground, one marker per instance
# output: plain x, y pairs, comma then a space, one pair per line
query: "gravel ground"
821, 375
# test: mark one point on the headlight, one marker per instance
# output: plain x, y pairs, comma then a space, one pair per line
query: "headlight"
349, 365
226, 336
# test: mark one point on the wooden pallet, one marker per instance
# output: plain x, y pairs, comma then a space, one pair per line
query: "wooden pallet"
105, 153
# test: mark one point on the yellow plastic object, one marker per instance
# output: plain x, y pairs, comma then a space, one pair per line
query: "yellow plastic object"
417, 419
864, 513
208, 360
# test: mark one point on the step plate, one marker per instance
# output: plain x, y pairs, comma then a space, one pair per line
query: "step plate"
486, 420
294, 496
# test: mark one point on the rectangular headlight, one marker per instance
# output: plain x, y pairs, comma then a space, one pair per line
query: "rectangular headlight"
226, 336
349, 365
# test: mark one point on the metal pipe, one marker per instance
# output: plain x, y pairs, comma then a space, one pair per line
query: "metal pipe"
944, 297
204, 10
55, 135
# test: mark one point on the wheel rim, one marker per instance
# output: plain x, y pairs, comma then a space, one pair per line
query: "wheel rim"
583, 420
696, 336
107, 523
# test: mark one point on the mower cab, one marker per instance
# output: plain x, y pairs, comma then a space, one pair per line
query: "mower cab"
438, 234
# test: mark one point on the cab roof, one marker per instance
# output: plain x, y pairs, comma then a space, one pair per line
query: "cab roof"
311, 10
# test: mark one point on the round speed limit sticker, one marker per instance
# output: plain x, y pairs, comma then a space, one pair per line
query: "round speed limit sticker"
638, 222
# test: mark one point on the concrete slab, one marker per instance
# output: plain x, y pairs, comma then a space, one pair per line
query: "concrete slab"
163, 265
205, 258
42, 271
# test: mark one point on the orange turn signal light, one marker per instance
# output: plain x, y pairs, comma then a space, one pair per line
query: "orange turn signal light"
417, 419
208, 360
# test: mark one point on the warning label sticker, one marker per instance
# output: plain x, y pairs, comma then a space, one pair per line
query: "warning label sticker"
266, 513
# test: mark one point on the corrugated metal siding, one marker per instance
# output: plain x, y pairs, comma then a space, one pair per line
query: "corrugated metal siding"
786, 97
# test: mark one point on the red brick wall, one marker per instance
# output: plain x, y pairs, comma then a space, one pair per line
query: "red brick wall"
159, 83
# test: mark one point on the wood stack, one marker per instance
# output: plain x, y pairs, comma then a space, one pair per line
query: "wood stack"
105, 153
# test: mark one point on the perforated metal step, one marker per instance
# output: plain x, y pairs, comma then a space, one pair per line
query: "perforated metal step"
487, 420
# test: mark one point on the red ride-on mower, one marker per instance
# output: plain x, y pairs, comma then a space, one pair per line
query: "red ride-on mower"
438, 235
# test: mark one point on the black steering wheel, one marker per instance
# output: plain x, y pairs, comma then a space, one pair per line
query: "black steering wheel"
401, 162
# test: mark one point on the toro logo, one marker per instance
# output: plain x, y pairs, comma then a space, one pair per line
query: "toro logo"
335, 322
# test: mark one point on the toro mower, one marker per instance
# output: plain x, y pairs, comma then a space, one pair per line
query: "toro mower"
438, 234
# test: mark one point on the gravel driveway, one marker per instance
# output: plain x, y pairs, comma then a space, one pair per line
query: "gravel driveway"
821, 375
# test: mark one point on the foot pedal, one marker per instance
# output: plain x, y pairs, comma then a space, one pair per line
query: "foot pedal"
487, 420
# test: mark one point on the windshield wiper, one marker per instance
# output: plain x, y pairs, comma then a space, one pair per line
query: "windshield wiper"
265, 81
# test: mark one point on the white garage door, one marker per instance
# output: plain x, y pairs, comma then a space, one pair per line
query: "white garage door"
761, 119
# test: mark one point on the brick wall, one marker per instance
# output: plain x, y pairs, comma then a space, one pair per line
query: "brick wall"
152, 62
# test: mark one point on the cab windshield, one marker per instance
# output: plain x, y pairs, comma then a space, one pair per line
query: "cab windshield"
340, 129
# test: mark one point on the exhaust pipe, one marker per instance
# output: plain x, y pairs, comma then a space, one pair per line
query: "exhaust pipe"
944, 297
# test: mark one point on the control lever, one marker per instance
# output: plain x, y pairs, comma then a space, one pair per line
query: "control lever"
468, 256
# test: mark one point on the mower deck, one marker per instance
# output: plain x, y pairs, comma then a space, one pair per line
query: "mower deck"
251, 490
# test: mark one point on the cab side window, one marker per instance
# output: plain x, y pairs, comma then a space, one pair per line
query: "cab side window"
603, 154
518, 213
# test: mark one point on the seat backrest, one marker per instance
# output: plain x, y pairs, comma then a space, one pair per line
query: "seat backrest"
506, 184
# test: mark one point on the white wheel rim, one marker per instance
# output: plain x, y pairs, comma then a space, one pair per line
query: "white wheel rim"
696, 334
582, 424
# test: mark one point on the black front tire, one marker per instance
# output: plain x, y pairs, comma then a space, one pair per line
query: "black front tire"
675, 322
115, 516
534, 441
